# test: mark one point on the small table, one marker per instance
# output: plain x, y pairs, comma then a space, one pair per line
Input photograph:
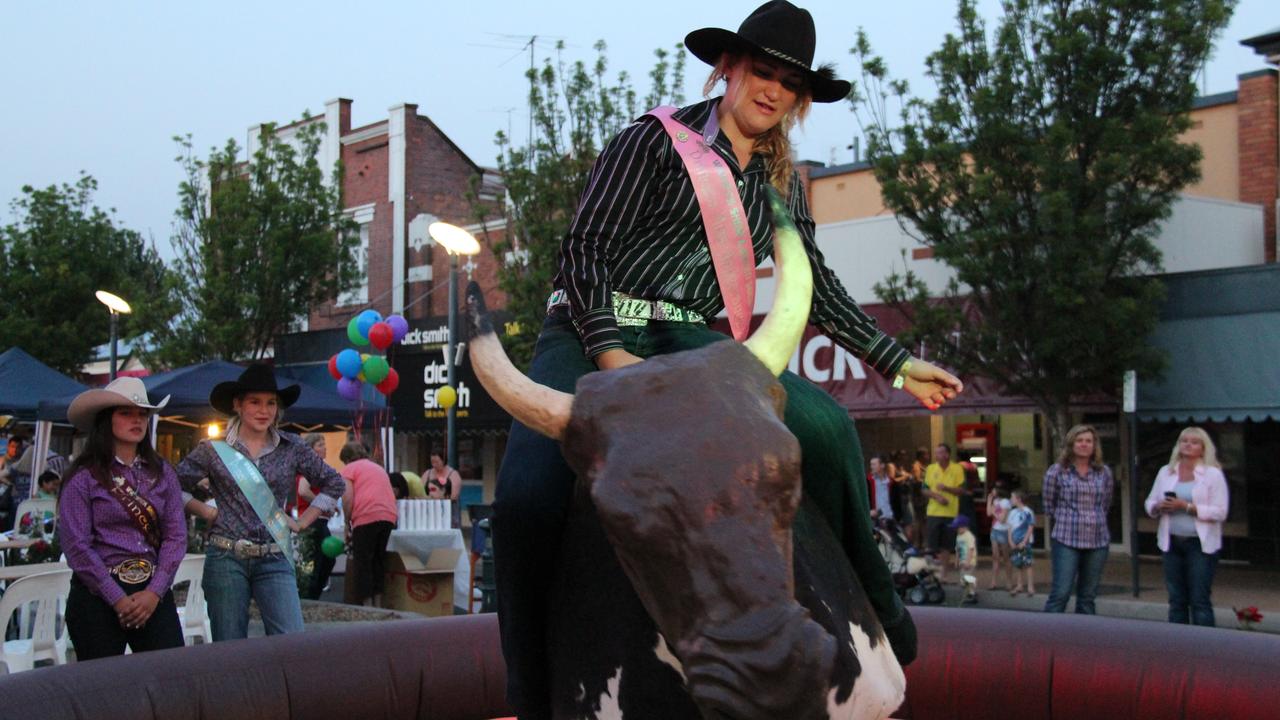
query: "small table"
18, 543
16, 572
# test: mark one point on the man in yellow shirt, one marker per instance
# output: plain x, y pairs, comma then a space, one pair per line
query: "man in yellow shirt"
943, 485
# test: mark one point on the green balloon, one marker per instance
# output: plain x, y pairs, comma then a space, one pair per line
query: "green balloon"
375, 369
353, 332
332, 546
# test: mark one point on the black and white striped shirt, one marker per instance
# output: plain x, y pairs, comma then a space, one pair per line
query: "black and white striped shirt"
638, 230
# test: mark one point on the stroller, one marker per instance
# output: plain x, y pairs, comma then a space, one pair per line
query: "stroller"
912, 572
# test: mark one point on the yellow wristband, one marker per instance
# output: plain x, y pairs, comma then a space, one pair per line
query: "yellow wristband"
900, 378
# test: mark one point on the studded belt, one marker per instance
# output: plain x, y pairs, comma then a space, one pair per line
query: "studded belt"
133, 571
244, 548
632, 311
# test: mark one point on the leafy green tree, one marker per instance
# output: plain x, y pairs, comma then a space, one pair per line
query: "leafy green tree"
1040, 174
259, 243
57, 252
576, 110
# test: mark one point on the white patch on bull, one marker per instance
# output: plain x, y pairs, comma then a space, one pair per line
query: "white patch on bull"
608, 702
663, 651
878, 690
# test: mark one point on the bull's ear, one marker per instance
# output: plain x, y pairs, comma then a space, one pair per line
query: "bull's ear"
778, 396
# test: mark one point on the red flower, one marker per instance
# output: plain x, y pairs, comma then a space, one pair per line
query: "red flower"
40, 546
1249, 614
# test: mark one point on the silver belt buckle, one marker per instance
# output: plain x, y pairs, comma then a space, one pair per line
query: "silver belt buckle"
243, 548
134, 571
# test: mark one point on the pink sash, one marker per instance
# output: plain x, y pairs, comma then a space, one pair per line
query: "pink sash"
726, 221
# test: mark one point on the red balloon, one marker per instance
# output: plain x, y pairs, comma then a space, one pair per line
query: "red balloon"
381, 335
333, 368
390, 382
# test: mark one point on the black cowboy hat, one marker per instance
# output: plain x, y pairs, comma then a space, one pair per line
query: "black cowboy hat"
779, 30
255, 378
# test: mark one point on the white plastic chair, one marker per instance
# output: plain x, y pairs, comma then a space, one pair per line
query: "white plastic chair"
39, 639
36, 505
194, 614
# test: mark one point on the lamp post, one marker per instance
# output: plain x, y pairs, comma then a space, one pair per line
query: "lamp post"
457, 242
117, 306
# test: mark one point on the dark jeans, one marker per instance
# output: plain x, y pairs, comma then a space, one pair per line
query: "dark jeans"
1078, 568
1188, 575
95, 628
535, 485
369, 556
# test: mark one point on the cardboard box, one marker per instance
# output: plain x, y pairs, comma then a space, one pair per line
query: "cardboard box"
425, 588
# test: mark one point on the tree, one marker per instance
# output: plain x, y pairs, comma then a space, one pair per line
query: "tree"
259, 243
60, 250
576, 110
1040, 174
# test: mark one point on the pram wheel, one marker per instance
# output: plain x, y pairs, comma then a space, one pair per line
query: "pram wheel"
917, 595
935, 595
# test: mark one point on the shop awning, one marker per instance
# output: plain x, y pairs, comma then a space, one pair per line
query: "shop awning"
1221, 331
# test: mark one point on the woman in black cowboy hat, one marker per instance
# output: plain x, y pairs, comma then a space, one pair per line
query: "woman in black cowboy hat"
638, 250
250, 475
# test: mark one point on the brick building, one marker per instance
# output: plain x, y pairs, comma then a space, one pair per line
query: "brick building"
401, 173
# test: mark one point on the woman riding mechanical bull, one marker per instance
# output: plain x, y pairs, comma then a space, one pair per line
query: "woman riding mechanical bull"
643, 269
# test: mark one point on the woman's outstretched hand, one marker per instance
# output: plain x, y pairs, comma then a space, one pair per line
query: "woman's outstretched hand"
930, 384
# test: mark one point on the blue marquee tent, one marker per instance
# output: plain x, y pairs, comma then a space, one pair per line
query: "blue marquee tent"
189, 389
25, 381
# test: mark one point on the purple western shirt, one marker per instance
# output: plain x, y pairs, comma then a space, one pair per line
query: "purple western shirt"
96, 533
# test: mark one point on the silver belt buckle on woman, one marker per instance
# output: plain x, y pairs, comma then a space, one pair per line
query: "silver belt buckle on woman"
133, 571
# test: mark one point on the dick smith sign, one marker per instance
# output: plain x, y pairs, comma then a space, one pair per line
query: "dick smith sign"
419, 358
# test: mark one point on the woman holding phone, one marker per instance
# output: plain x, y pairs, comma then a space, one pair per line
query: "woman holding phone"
1190, 499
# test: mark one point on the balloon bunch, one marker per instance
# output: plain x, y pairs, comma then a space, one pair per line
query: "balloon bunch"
352, 368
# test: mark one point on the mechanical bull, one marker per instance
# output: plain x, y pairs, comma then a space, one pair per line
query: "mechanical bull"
695, 581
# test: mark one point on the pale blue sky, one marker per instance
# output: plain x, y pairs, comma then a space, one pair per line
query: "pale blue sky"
102, 87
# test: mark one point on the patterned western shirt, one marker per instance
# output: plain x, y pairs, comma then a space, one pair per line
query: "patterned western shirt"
1079, 505
283, 459
639, 231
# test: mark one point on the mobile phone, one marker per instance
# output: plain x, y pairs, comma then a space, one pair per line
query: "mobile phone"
1170, 495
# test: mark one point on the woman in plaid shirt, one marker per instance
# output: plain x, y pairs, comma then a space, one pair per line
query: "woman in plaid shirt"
1077, 495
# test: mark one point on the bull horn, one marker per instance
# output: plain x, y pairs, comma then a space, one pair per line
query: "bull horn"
779, 335
537, 406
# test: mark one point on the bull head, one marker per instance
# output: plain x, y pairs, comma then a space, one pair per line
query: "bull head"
696, 481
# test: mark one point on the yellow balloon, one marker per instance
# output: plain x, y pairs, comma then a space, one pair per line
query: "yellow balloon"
446, 397
360, 375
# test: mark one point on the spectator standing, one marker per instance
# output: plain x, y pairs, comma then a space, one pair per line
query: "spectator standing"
944, 484
1077, 495
314, 567
1022, 523
966, 557
370, 507
1190, 499
998, 507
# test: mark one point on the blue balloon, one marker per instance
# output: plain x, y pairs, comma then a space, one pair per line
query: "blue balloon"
349, 363
366, 320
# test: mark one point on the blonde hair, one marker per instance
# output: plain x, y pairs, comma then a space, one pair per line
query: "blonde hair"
774, 144
1210, 456
1064, 459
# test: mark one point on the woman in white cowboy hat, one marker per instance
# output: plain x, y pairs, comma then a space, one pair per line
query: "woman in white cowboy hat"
637, 278
121, 525
251, 474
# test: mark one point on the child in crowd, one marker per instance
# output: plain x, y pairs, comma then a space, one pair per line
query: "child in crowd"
1022, 523
966, 557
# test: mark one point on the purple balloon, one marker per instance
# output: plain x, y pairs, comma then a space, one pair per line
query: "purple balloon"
399, 326
349, 389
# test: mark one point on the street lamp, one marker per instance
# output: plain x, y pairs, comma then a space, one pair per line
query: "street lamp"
457, 242
117, 306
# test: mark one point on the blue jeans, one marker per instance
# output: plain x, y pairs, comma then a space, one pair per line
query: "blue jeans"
230, 581
1078, 568
1188, 574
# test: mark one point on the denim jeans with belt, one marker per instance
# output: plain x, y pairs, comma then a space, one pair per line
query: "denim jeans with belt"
535, 485
1188, 575
1079, 569
230, 581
